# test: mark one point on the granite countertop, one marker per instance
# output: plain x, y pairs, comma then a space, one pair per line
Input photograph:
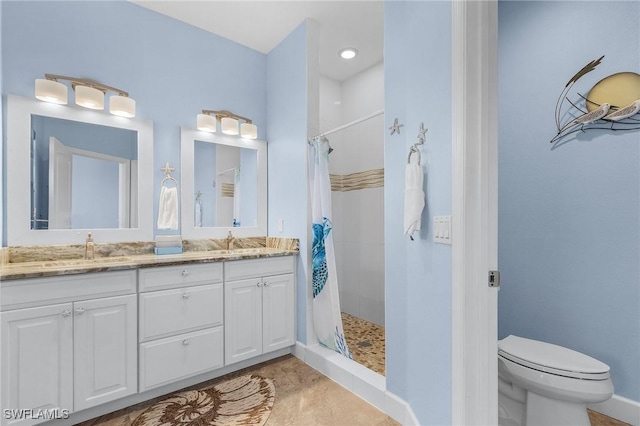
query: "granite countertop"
35, 265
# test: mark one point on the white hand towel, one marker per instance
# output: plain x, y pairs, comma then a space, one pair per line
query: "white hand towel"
168, 208
413, 198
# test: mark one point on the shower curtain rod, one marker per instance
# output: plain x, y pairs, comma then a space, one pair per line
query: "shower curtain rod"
353, 123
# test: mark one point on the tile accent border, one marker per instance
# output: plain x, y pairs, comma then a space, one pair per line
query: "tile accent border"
227, 189
373, 178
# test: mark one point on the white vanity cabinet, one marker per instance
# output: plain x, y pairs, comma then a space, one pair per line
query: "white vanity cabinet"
259, 307
68, 342
181, 329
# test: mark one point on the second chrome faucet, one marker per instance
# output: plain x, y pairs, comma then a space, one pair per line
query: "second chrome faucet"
230, 240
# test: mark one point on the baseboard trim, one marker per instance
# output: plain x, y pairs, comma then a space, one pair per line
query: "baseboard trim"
621, 408
361, 381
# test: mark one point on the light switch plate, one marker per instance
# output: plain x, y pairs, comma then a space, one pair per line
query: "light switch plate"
442, 229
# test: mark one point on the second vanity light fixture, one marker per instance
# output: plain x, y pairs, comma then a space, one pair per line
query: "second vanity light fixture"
88, 94
229, 121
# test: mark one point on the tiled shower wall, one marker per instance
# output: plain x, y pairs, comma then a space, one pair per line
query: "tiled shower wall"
358, 214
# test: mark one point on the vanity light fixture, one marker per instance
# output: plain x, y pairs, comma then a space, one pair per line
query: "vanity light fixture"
348, 53
88, 94
229, 121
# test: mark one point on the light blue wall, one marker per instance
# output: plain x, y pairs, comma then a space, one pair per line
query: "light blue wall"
417, 69
569, 217
287, 135
171, 69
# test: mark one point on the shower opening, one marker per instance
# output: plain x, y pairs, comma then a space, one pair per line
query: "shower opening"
356, 167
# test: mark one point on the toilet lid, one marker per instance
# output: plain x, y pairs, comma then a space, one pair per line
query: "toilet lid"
552, 359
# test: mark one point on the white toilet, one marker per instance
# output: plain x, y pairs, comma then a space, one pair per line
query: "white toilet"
540, 384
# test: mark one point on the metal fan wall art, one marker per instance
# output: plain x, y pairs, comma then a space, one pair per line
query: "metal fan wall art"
613, 103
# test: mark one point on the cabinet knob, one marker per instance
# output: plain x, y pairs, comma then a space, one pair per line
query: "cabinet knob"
266, 284
66, 313
259, 284
185, 295
185, 272
79, 311
186, 342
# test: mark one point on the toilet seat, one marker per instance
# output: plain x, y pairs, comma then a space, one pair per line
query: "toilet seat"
552, 359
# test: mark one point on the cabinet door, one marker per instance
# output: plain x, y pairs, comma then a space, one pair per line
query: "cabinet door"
37, 360
278, 303
242, 320
105, 350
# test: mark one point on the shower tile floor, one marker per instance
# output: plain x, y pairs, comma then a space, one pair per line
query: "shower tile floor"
366, 342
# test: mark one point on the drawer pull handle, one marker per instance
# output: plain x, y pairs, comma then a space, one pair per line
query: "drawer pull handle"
185, 272
186, 342
66, 313
79, 311
185, 295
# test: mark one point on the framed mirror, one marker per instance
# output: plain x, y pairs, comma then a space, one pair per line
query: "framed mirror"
224, 185
71, 171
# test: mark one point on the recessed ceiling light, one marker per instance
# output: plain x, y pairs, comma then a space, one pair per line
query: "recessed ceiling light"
348, 53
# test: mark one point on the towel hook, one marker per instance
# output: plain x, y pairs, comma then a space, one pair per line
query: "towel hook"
167, 175
421, 139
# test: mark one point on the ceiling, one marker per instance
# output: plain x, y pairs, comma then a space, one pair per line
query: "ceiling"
262, 25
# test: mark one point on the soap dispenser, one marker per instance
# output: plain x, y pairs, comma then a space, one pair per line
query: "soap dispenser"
89, 249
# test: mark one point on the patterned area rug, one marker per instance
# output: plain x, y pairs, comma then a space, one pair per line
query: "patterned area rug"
246, 400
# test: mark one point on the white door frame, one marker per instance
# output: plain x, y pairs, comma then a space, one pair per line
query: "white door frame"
474, 212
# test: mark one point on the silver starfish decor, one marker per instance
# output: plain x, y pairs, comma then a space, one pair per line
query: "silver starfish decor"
395, 128
167, 170
422, 134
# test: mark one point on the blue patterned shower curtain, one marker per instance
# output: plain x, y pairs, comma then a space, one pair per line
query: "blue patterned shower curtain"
327, 320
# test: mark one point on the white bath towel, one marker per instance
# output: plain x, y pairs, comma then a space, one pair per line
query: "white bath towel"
168, 208
413, 198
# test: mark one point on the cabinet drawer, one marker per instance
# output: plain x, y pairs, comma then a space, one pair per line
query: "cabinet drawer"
242, 269
167, 312
66, 288
167, 360
163, 277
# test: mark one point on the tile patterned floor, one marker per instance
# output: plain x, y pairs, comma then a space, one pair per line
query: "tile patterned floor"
366, 342
598, 419
303, 397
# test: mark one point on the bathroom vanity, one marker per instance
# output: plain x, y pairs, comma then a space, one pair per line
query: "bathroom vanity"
87, 337
81, 334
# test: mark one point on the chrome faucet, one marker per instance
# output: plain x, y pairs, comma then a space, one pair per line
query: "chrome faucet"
230, 240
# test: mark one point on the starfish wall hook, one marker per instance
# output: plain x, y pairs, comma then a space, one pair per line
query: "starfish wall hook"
422, 134
395, 128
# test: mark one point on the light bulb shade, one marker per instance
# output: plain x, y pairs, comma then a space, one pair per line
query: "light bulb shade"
89, 97
51, 91
229, 126
249, 131
206, 123
122, 106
